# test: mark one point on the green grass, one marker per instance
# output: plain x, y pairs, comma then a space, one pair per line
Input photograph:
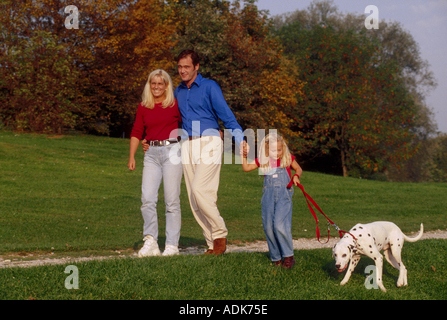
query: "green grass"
234, 276
74, 194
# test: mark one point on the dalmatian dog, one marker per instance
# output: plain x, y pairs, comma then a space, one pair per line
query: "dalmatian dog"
369, 240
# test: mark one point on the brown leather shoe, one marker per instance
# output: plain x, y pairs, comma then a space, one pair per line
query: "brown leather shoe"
289, 262
220, 246
208, 252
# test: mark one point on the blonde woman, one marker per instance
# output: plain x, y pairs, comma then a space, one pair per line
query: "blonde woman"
275, 163
158, 116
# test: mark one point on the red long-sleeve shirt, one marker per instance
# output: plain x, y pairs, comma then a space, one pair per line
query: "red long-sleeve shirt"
158, 123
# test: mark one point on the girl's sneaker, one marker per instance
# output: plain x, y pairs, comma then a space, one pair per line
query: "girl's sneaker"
150, 248
170, 250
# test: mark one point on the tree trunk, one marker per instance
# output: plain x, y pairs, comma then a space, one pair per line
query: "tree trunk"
343, 163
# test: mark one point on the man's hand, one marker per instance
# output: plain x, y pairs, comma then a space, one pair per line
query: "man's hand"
145, 145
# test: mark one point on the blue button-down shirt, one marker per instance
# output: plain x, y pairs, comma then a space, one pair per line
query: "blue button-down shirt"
202, 105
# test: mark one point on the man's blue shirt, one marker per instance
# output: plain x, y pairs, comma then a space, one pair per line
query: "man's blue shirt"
202, 105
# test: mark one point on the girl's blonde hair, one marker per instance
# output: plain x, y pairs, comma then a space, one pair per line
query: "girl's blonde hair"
148, 97
264, 161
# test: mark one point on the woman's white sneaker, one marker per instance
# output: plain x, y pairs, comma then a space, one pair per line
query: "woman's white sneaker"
150, 248
170, 250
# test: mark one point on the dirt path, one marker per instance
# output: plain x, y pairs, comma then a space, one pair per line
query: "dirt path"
33, 260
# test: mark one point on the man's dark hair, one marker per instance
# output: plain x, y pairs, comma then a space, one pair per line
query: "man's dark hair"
189, 53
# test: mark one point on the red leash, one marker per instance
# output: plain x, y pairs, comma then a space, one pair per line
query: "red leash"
309, 198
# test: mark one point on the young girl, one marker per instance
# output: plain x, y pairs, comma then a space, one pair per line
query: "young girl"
274, 163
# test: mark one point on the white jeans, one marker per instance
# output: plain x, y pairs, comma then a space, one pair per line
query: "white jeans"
162, 163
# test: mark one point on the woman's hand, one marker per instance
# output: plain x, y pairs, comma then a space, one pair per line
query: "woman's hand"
145, 145
133, 149
131, 164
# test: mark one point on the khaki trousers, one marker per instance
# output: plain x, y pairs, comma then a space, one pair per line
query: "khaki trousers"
202, 159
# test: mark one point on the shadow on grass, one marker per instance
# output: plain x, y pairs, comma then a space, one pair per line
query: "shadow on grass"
364, 262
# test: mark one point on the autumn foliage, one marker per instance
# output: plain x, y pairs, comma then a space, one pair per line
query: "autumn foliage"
88, 78
328, 92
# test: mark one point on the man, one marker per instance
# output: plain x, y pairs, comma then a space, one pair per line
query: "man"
201, 104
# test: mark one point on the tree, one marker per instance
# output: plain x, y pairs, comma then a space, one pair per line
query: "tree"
116, 46
354, 105
396, 46
38, 84
238, 52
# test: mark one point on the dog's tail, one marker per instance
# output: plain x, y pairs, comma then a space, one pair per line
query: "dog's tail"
417, 237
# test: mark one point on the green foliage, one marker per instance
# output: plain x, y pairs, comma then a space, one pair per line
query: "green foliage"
438, 167
354, 105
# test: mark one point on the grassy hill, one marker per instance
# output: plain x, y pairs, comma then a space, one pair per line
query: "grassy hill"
65, 193
75, 195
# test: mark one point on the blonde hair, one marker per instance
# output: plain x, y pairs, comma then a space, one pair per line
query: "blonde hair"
148, 98
264, 161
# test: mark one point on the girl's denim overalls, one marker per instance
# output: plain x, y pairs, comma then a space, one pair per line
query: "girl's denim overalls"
276, 205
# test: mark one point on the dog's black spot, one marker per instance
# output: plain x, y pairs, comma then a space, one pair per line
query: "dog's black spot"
399, 245
360, 227
360, 235
375, 258
370, 252
354, 229
370, 246
391, 244
369, 235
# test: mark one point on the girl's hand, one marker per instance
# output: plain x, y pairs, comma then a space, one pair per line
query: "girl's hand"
296, 180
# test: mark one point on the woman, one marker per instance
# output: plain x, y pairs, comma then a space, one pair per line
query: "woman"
159, 117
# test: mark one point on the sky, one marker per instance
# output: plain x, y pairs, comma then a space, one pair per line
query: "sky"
425, 20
